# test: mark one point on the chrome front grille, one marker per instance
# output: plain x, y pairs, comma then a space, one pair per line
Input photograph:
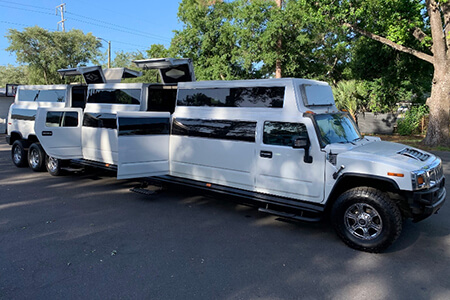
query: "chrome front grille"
436, 174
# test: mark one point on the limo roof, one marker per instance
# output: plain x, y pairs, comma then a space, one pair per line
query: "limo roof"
249, 83
312, 92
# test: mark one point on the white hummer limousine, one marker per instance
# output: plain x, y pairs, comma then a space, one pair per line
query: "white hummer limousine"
279, 144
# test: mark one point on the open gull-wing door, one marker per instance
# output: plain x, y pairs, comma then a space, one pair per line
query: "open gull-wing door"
143, 140
172, 70
92, 74
96, 74
59, 131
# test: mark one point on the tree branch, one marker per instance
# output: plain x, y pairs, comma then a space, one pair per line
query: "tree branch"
419, 34
418, 54
437, 31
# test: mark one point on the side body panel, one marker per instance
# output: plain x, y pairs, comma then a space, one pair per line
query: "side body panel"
143, 144
59, 131
243, 164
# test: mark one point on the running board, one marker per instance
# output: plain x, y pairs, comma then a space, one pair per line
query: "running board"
289, 215
95, 164
142, 191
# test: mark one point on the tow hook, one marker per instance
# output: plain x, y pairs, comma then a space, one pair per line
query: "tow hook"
336, 174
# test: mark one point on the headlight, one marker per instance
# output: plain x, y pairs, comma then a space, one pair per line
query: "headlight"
420, 179
427, 177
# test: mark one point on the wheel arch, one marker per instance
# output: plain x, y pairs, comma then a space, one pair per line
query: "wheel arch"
15, 135
33, 139
352, 180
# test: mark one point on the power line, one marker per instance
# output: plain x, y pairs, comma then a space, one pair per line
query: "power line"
130, 44
94, 22
21, 4
128, 30
121, 30
121, 13
20, 24
36, 11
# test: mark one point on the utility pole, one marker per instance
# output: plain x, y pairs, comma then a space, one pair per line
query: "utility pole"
62, 10
109, 54
109, 50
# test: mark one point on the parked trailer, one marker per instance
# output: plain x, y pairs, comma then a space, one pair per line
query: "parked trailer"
280, 143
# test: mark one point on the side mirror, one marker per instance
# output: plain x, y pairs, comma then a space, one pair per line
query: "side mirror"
302, 142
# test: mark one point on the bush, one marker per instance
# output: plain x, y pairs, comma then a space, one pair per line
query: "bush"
410, 123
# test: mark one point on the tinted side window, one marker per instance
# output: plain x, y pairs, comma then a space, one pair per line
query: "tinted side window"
103, 120
216, 129
61, 119
124, 96
23, 114
233, 97
42, 95
160, 99
281, 133
143, 126
79, 96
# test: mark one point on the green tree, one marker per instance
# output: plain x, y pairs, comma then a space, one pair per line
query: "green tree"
13, 74
349, 95
45, 52
251, 38
416, 27
209, 37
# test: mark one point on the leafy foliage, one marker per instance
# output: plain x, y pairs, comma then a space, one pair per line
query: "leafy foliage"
45, 52
349, 95
411, 122
12, 74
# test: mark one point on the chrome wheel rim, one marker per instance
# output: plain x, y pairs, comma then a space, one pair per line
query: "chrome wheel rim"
52, 164
17, 155
34, 158
363, 221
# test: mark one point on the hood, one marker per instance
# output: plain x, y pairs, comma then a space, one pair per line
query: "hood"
393, 154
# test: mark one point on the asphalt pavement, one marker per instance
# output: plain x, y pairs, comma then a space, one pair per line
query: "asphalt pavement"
86, 236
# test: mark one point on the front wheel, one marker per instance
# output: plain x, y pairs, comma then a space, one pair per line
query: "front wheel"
36, 157
366, 219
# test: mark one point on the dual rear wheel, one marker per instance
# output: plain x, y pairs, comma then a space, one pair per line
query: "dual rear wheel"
35, 158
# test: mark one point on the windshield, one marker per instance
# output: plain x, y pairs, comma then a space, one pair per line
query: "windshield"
337, 128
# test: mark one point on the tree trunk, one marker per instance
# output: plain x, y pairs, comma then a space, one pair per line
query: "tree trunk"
439, 101
278, 68
278, 73
439, 104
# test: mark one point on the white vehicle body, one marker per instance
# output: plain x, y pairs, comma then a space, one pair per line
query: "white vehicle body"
29, 98
280, 142
255, 165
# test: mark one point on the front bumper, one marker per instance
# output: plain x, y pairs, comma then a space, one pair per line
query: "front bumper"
427, 202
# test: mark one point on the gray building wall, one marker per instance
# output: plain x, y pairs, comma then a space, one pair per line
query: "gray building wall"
377, 123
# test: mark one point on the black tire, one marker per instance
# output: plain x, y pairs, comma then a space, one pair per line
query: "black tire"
53, 165
366, 219
36, 157
19, 154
